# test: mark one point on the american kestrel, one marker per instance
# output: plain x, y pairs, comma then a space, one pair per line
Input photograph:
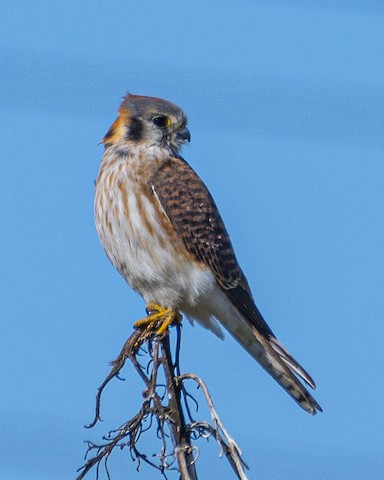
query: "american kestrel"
161, 229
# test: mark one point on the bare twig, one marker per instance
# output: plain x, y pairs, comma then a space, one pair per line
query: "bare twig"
127, 351
180, 433
164, 410
228, 445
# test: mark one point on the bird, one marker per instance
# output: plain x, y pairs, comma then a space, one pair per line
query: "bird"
161, 229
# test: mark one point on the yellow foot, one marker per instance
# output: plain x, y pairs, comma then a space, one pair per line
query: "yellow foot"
159, 318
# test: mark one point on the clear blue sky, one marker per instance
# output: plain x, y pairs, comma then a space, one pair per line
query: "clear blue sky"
286, 107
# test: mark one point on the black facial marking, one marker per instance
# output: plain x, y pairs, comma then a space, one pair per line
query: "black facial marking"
135, 130
109, 134
121, 152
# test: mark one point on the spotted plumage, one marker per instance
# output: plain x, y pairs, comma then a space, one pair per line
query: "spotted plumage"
161, 229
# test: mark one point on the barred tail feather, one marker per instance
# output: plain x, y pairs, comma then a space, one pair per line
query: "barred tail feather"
269, 352
275, 359
290, 362
282, 367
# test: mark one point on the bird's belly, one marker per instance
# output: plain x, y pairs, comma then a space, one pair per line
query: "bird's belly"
140, 242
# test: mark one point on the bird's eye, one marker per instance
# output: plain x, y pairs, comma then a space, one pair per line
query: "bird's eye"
161, 121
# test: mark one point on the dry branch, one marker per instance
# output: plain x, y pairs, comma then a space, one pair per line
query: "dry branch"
164, 407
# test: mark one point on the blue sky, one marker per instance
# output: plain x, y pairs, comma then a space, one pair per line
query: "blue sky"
286, 106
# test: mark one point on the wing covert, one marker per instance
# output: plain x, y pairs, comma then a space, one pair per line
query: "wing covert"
194, 215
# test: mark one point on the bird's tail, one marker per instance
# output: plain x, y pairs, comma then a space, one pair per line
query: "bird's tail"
276, 360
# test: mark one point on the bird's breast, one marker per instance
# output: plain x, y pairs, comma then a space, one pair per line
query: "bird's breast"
141, 242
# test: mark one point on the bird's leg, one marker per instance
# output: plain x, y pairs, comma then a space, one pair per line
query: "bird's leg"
172, 317
158, 318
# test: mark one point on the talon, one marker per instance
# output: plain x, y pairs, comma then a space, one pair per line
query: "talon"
153, 307
153, 317
159, 318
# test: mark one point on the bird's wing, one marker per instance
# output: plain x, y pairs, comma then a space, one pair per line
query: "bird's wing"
194, 215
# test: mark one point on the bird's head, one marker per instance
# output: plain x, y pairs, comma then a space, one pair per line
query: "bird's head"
149, 121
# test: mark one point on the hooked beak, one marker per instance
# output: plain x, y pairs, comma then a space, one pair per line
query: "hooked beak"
184, 135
